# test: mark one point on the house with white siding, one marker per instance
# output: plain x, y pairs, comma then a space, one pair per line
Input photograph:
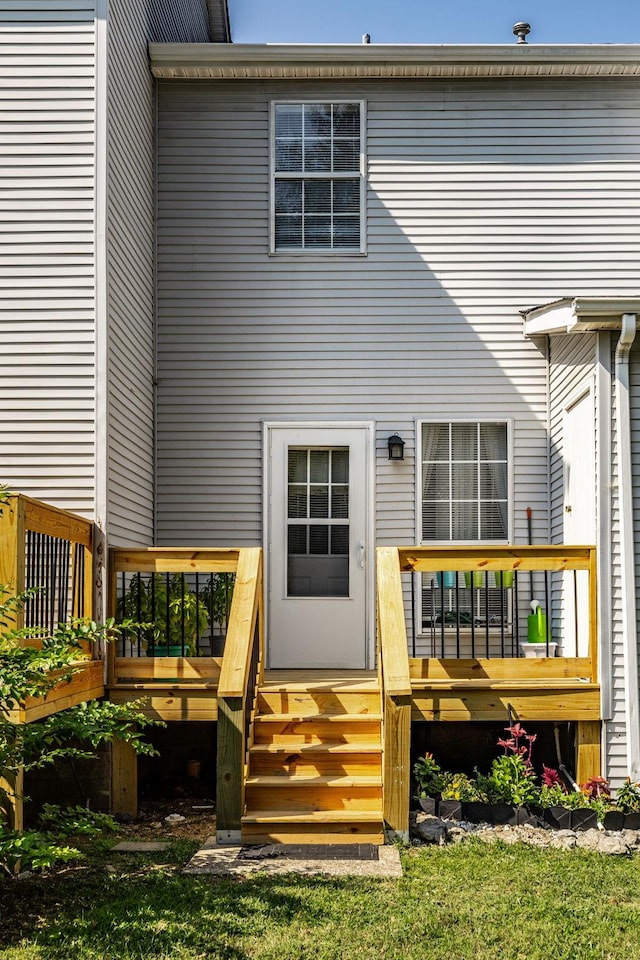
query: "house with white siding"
327, 299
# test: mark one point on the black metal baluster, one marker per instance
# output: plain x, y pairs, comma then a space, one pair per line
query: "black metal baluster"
182, 624
197, 615
154, 613
547, 608
575, 609
457, 599
486, 613
500, 579
516, 615
442, 615
473, 613
413, 614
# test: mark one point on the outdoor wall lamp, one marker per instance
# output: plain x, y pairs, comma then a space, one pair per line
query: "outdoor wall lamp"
396, 447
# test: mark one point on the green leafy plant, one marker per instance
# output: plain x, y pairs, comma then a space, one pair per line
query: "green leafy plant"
628, 797
216, 596
458, 786
75, 821
32, 850
33, 670
429, 777
172, 613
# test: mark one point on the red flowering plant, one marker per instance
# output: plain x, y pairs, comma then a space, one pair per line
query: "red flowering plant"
512, 777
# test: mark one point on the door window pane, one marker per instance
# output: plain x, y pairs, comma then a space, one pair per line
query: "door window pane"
318, 553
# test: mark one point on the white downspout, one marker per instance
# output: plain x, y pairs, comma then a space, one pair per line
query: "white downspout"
627, 552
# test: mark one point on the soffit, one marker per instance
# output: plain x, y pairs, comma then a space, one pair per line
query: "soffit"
222, 61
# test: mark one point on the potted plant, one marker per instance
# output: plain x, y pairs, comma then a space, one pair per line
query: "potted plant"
510, 785
430, 780
174, 617
628, 804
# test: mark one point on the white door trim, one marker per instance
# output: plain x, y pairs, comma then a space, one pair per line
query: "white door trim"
370, 559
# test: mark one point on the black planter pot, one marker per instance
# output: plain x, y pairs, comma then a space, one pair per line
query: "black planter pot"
476, 811
584, 819
558, 817
429, 805
614, 820
504, 813
529, 817
632, 821
450, 809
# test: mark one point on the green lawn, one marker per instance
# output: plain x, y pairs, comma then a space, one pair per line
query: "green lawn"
474, 901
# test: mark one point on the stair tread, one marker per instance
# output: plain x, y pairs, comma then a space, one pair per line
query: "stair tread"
301, 780
328, 746
312, 816
314, 680
314, 717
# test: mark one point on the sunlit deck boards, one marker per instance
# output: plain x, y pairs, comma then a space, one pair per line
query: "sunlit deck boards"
86, 683
172, 688
556, 688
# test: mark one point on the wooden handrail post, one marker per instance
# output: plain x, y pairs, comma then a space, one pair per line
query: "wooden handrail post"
234, 697
12, 555
396, 694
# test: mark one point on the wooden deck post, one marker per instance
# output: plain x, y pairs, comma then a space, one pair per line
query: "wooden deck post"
396, 694
12, 555
230, 770
124, 778
588, 750
15, 802
234, 697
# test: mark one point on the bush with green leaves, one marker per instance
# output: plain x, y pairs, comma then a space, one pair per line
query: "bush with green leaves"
75, 733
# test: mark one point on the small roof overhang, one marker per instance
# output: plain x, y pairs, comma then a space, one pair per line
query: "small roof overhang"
237, 61
578, 315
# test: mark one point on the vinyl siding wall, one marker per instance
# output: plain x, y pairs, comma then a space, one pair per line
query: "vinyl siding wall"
47, 335
130, 276
483, 198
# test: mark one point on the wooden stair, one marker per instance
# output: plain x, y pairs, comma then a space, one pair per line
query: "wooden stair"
315, 765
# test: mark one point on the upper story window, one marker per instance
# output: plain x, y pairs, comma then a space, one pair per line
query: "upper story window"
318, 177
465, 481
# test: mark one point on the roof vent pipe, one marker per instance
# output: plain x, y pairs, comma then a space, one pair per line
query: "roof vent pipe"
520, 30
366, 38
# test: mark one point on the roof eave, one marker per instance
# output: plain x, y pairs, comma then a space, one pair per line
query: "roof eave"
298, 61
578, 315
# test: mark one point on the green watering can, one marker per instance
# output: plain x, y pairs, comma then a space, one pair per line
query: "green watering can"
537, 631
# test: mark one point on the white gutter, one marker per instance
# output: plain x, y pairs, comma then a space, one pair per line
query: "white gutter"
627, 552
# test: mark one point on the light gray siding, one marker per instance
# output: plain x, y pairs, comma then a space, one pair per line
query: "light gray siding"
483, 198
47, 152
176, 21
130, 233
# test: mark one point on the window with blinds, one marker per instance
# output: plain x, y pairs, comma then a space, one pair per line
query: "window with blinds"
465, 474
318, 182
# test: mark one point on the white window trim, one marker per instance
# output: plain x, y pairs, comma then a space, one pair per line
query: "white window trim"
510, 480
319, 175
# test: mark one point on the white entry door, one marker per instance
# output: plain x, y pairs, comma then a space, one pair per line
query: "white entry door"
317, 551
579, 516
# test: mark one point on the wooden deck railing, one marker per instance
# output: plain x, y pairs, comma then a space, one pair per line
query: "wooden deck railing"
505, 682
534, 572
200, 687
47, 548
51, 551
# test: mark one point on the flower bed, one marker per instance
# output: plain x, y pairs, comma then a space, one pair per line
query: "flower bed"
511, 793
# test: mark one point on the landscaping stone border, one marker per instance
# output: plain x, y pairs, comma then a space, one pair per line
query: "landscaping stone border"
429, 829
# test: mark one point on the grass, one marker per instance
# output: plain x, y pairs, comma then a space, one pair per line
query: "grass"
470, 902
